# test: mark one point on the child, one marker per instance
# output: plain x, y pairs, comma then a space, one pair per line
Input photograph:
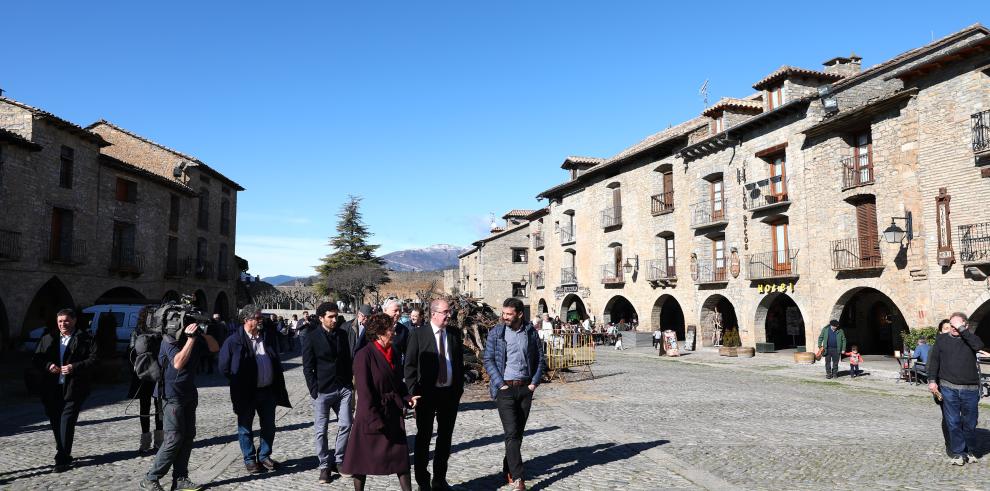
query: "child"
855, 359
618, 341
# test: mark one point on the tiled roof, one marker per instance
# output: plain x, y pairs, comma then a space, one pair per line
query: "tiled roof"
788, 71
11, 137
932, 64
538, 213
736, 104
59, 122
579, 160
199, 163
120, 164
518, 213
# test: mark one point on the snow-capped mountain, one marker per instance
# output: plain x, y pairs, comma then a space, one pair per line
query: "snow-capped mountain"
432, 258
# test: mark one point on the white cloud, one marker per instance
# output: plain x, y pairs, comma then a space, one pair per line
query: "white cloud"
270, 255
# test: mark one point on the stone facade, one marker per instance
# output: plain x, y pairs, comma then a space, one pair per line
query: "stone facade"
84, 222
775, 221
498, 266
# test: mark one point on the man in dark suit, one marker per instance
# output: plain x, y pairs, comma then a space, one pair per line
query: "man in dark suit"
435, 371
355, 329
65, 360
329, 377
250, 361
400, 340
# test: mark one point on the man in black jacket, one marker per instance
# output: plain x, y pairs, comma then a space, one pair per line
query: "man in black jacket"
65, 361
400, 339
250, 361
355, 329
435, 370
952, 371
329, 377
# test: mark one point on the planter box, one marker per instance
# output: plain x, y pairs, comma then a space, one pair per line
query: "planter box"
746, 352
726, 351
804, 358
765, 348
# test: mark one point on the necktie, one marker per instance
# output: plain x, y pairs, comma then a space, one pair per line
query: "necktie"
442, 380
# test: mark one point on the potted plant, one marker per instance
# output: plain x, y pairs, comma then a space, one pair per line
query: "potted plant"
730, 343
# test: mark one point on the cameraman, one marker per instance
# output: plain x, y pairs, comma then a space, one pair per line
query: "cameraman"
178, 358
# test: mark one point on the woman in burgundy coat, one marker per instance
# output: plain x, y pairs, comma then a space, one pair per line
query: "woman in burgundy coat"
377, 444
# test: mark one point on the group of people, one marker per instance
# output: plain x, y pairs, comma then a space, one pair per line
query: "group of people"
369, 371
951, 366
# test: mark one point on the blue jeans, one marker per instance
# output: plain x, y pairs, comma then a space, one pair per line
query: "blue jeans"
264, 405
960, 408
341, 401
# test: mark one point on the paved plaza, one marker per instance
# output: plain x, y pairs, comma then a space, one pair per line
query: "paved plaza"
644, 423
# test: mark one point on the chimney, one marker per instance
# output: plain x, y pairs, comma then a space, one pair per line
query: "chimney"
845, 66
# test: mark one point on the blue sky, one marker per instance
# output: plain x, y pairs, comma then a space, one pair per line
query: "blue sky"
436, 113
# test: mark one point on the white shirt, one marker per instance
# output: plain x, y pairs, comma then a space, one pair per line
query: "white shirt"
63, 346
437, 333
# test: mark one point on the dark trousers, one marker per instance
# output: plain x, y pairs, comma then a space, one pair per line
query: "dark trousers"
441, 405
180, 431
62, 415
831, 361
513, 405
264, 405
854, 370
144, 403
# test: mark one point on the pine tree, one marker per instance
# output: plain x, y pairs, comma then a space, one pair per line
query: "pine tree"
352, 255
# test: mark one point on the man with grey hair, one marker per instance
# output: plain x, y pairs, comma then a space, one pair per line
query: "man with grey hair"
355, 329
953, 376
393, 309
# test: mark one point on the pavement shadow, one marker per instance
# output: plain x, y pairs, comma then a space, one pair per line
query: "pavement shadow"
475, 406
232, 436
563, 463
488, 440
293, 466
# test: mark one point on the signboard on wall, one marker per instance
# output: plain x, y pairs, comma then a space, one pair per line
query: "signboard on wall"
689, 337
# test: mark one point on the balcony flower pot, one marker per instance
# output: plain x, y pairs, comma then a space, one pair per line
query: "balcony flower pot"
804, 358
746, 352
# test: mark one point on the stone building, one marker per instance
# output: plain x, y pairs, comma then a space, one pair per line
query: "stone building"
825, 194
100, 215
497, 267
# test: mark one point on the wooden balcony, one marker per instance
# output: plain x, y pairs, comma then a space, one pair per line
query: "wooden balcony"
662, 203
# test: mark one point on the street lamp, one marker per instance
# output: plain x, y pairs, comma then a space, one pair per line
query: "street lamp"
629, 267
894, 234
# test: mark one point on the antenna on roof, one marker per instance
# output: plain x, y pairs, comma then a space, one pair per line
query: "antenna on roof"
703, 91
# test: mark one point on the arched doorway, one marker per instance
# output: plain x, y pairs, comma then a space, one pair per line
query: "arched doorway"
51, 297
4, 328
222, 306
980, 320
717, 309
200, 301
618, 309
667, 314
121, 294
572, 309
171, 296
782, 320
870, 320
541, 307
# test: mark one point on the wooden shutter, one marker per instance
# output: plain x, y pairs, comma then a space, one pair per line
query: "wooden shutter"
866, 226
668, 189
617, 203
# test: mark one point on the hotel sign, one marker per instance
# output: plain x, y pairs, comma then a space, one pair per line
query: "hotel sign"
763, 288
563, 290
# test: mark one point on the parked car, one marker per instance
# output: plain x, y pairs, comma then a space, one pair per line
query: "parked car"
124, 315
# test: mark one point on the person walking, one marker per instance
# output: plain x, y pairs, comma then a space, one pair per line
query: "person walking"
855, 361
327, 369
252, 365
65, 360
435, 373
377, 446
953, 374
355, 329
514, 360
831, 344
400, 339
144, 391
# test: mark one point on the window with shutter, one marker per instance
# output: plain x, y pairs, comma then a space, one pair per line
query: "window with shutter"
867, 236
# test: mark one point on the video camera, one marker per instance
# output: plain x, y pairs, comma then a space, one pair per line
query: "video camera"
172, 318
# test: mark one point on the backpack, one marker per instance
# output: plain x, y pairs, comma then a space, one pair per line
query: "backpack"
144, 357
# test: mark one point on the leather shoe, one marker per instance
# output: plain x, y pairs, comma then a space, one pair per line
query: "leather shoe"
252, 467
324, 475
269, 464
440, 486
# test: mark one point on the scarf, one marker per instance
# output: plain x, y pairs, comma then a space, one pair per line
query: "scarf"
386, 352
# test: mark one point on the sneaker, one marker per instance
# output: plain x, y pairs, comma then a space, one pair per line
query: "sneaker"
152, 485
184, 484
957, 460
325, 475
518, 485
971, 459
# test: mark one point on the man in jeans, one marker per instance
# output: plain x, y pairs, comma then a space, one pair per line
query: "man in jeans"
832, 343
329, 377
952, 371
178, 356
514, 360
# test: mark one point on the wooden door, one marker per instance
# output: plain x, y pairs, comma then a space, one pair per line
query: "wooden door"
669, 255
781, 250
778, 179
616, 206
667, 197
617, 263
718, 256
863, 159
867, 236
718, 211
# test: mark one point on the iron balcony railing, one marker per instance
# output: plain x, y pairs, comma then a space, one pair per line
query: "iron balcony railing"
856, 253
856, 171
567, 235
568, 276
538, 240
612, 217
223, 273
10, 245
709, 274
767, 193
539, 279
127, 262
773, 264
178, 268
659, 270
974, 242
708, 213
662, 203
66, 251
611, 275
204, 269
981, 131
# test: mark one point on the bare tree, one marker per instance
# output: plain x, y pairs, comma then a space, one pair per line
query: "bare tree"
354, 282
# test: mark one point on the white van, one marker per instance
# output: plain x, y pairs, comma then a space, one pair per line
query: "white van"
124, 315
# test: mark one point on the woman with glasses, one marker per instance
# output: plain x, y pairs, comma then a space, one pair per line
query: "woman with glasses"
377, 442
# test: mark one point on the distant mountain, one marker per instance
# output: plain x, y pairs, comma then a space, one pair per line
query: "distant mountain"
433, 258
280, 279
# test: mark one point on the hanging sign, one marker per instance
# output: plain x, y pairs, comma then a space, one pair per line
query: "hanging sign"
946, 255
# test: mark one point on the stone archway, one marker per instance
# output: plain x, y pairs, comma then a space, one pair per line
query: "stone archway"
573, 308
199, 300
667, 314
720, 305
121, 294
541, 307
171, 296
50, 298
222, 306
618, 309
782, 321
871, 321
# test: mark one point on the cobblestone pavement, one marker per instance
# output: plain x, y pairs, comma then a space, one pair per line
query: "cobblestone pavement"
696, 422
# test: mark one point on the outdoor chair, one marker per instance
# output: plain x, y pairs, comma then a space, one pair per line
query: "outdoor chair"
920, 370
